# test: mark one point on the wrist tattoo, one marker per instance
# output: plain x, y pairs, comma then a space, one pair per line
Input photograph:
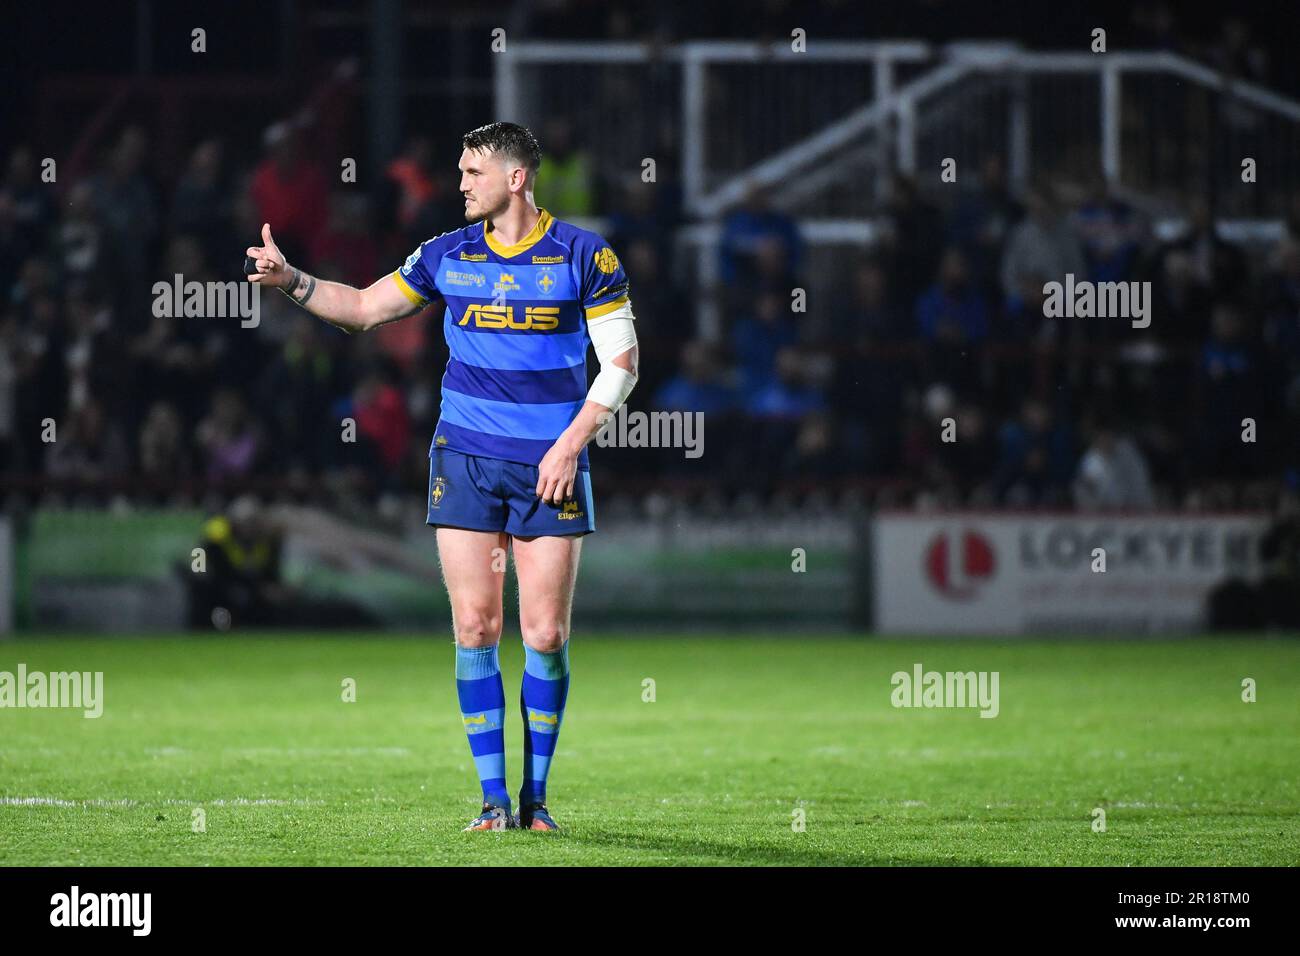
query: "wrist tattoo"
301, 288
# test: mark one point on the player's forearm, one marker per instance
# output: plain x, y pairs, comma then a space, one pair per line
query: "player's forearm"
589, 420
612, 386
333, 302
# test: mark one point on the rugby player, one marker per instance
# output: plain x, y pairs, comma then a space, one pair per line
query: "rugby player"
524, 295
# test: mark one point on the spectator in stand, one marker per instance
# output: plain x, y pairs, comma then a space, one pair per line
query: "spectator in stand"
125, 204
410, 175
813, 453
566, 182
872, 316
88, 448
1230, 385
792, 392
772, 268
981, 222
346, 247
1155, 26
35, 282
747, 229
1109, 231
379, 408
418, 197
780, 409
700, 385
1113, 474
922, 433
914, 233
639, 218
952, 318
1237, 54
164, 459
967, 464
1180, 298
953, 310
201, 204
41, 388
874, 369
83, 246
1217, 265
757, 339
30, 206
1021, 320
94, 353
290, 191
229, 440
1035, 458
296, 389
663, 313
1043, 244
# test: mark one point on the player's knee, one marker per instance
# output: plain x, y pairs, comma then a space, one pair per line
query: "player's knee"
546, 638
477, 628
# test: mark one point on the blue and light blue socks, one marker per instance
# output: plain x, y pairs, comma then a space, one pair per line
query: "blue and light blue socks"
541, 701
483, 710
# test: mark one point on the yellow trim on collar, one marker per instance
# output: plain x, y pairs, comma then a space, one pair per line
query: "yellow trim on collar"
415, 297
534, 236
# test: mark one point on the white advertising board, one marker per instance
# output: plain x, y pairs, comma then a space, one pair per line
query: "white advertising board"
1007, 573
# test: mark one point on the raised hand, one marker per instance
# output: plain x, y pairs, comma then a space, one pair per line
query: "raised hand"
272, 270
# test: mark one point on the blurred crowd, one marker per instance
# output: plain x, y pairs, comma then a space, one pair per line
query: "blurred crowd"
929, 367
154, 404
939, 366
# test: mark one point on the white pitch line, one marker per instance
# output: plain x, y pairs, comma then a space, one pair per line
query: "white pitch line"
57, 802
170, 802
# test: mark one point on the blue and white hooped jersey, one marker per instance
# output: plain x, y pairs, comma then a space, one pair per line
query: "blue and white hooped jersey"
516, 327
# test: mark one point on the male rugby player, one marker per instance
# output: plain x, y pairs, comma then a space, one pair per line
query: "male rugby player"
524, 294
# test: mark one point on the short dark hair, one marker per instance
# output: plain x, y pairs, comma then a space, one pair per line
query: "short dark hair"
508, 139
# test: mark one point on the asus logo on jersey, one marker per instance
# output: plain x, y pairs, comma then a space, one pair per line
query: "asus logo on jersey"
538, 318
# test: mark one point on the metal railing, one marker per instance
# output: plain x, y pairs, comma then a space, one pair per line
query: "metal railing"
750, 113
821, 131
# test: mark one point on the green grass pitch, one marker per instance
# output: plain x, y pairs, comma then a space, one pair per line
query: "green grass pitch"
743, 732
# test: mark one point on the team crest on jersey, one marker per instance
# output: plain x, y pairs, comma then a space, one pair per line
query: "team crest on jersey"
436, 491
545, 281
606, 261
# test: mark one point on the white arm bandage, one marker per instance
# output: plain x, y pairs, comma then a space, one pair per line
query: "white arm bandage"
611, 336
